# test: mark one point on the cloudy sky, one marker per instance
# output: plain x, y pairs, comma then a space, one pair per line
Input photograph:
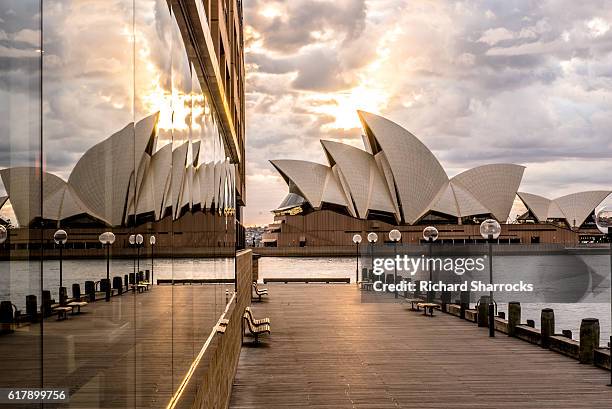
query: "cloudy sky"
527, 82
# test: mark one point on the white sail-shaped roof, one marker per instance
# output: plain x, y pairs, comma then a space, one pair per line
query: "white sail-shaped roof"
494, 186
102, 175
398, 174
308, 177
418, 175
574, 208
446, 202
23, 187
577, 207
538, 205
156, 183
366, 185
177, 176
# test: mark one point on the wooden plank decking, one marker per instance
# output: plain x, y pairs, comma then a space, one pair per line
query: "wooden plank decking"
129, 353
328, 350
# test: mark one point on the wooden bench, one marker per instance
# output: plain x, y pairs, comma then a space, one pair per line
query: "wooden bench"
426, 306
259, 322
142, 287
259, 292
62, 312
414, 303
255, 330
366, 285
77, 305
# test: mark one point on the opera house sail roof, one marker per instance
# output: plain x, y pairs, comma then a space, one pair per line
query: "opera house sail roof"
398, 176
104, 186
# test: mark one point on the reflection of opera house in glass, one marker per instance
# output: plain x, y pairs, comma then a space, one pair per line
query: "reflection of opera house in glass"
125, 181
398, 181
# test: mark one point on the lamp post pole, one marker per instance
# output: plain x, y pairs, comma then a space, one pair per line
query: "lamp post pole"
139, 243
395, 236
107, 239
152, 242
357, 240
430, 234
490, 230
60, 238
491, 305
603, 219
372, 238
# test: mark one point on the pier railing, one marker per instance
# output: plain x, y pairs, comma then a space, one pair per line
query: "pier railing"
211, 377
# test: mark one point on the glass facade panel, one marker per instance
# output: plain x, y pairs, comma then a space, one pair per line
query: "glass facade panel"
118, 197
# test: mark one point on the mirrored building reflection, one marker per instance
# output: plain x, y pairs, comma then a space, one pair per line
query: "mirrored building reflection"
122, 117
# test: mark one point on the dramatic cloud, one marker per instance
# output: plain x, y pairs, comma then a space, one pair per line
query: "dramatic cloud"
478, 82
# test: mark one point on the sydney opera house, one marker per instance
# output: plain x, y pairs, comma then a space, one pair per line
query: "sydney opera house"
397, 181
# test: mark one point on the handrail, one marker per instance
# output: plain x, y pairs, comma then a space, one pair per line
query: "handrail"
181, 388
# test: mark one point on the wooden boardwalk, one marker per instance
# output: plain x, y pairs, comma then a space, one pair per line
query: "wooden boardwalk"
129, 353
329, 350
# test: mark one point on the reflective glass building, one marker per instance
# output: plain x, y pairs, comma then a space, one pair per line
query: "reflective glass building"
122, 116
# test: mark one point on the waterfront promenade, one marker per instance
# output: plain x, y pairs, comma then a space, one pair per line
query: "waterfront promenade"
329, 350
130, 352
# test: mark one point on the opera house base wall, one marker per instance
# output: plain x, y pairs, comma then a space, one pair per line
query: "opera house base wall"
325, 232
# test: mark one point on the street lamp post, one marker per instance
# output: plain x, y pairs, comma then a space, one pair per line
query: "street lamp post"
60, 238
395, 236
152, 242
372, 238
430, 234
132, 242
357, 241
603, 219
490, 230
139, 241
107, 239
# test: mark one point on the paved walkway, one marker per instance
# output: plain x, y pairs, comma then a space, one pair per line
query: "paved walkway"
329, 350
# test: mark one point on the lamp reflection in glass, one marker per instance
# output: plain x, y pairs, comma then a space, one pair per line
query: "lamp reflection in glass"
152, 242
430, 234
490, 230
3, 234
60, 238
395, 236
357, 241
603, 219
139, 241
107, 239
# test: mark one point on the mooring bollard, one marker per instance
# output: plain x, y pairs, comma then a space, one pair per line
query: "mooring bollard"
90, 290
464, 303
567, 333
76, 291
417, 289
126, 281
32, 307
63, 295
531, 323
445, 297
483, 311
514, 317
118, 284
589, 339
547, 322
6, 312
226, 296
408, 279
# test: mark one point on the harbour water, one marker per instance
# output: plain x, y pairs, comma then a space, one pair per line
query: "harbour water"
19, 278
